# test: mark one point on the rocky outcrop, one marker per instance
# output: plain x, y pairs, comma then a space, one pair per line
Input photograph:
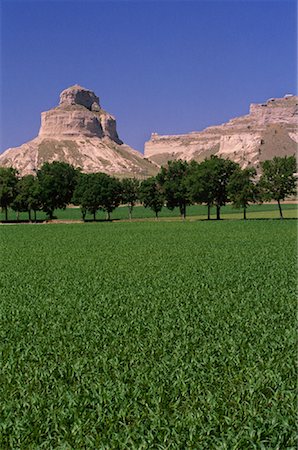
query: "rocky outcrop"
79, 132
270, 129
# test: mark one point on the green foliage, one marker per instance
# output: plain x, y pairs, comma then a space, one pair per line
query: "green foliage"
8, 183
57, 182
241, 189
151, 195
120, 335
111, 190
130, 193
173, 179
28, 195
278, 180
96, 191
208, 181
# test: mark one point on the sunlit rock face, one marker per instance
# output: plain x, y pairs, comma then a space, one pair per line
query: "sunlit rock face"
79, 132
78, 114
270, 129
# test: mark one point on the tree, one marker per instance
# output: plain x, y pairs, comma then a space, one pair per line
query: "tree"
173, 178
241, 188
8, 183
96, 191
278, 180
83, 195
57, 183
111, 190
35, 199
201, 185
151, 195
28, 196
219, 170
130, 193
208, 182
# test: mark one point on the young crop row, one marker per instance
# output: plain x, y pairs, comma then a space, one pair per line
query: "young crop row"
140, 335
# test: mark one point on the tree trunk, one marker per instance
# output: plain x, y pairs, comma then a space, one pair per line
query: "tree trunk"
183, 211
217, 212
130, 212
18, 216
6, 213
29, 215
280, 211
108, 215
94, 216
156, 215
83, 214
35, 215
51, 214
208, 216
244, 213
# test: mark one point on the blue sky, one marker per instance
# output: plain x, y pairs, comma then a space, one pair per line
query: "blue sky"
159, 66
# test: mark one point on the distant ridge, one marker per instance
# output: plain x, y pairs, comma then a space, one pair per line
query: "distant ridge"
79, 131
270, 129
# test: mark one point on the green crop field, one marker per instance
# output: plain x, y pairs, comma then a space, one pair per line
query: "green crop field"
144, 335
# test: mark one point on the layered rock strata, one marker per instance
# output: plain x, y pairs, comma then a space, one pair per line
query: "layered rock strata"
79, 132
270, 129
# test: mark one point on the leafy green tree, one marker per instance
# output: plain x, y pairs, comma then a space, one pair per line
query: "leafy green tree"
208, 182
278, 180
220, 170
28, 196
8, 184
173, 179
57, 183
84, 195
130, 193
111, 190
201, 185
96, 191
151, 195
35, 198
241, 189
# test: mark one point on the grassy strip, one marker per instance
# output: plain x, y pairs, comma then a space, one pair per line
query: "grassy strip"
254, 211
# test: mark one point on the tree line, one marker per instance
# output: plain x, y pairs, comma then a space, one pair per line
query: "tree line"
213, 182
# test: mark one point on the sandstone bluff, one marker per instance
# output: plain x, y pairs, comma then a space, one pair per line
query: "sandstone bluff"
79, 132
270, 129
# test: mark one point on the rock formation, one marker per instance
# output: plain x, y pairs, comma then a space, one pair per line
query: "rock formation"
79, 132
270, 129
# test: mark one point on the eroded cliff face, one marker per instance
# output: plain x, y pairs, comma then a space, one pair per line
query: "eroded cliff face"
79, 132
270, 129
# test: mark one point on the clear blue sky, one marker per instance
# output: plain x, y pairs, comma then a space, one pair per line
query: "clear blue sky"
159, 66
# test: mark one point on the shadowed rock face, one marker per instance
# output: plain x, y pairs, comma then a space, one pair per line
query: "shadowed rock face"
79, 132
270, 129
76, 95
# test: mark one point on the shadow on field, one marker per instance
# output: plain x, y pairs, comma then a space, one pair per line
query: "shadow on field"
99, 220
164, 219
7, 222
